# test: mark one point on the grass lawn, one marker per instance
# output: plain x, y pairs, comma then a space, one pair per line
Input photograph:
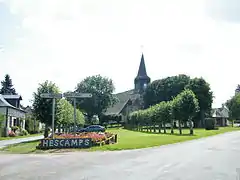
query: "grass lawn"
17, 137
129, 140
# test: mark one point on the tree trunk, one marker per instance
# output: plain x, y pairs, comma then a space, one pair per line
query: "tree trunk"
172, 127
154, 128
190, 127
159, 128
164, 128
46, 131
179, 127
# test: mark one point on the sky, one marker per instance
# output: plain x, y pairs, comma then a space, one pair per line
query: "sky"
65, 41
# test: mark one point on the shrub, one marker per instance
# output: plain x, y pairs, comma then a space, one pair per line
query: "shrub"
23, 132
11, 134
210, 123
14, 128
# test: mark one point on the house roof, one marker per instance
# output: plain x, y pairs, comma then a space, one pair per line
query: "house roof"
11, 96
220, 112
4, 103
14, 111
123, 98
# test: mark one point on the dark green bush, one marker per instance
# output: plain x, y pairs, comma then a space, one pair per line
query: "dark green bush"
210, 124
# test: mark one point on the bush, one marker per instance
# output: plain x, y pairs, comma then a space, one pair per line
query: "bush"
11, 134
14, 128
210, 124
23, 132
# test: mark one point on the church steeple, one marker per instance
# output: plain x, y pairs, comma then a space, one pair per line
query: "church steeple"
142, 79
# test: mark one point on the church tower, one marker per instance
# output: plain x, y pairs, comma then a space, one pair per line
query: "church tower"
142, 79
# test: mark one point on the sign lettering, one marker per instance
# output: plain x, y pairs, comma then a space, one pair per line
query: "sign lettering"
66, 143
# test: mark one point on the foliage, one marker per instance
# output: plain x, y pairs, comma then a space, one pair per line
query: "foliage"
164, 89
42, 108
65, 113
31, 124
14, 128
210, 123
101, 88
183, 108
23, 132
167, 88
1, 123
7, 86
185, 105
234, 107
11, 134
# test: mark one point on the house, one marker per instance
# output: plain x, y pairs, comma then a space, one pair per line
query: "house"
10, 107
131, 100
221, 115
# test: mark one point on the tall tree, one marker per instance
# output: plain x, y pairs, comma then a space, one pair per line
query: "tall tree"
164, 89
205, 98
101, 88
42, 108
234, 107
7, 86
184, 108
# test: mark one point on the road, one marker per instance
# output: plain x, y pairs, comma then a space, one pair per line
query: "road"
4, 143
213, 158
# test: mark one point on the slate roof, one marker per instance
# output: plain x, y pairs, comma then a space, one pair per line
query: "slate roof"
123, 98
4, 103
220, 112
11, 96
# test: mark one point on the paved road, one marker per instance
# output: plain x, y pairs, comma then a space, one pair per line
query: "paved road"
19, 140
214, 158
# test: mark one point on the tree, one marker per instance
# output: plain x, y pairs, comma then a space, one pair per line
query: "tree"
7, 86
234, 107
164, 89
185, 106
205, 98
101, 88
65, 114
42, 108
163, 111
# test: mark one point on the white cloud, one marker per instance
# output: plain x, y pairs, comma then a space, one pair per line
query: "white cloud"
67, 40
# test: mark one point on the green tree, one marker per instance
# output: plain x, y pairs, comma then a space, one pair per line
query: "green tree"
185, 106
66, 114
205, 98
233, 105
101, 88
164, 89
42, 108
163, 111
7, 86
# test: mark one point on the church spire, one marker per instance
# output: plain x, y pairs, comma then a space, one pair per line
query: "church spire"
142, 79
142, 68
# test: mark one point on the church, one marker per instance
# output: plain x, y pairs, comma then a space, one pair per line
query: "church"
131, 100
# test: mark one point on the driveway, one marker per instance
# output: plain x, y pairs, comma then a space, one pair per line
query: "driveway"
213, 158
4, 143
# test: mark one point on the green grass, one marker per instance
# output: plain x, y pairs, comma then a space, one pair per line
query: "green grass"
129, 140
17, 137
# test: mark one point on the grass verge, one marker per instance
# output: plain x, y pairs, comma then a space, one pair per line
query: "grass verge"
18, 137
128, 140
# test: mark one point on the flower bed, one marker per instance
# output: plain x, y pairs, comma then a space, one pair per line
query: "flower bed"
79, 139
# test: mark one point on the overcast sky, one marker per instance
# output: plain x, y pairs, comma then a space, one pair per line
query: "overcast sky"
66, 40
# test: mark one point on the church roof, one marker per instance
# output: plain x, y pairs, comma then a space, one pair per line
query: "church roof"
123, 98
142, 72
